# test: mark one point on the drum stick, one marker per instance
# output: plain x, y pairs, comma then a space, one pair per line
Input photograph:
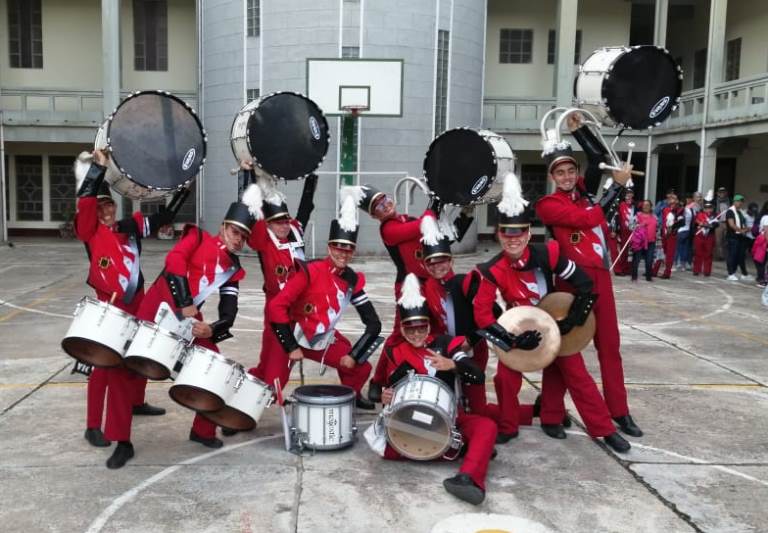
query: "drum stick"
619, 255
113, 298
605, 166
301, 371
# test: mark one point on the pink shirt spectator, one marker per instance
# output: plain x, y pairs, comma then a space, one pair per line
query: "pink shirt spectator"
650, 223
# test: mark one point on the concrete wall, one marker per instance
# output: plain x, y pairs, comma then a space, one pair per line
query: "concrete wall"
748, 181
686, 35
748, 19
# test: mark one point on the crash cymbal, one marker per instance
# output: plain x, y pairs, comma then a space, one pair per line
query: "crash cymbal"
557, 305
523, 318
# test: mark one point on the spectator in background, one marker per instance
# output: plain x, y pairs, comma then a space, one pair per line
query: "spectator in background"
671, 221
736, 239
643, 240
662, 204
722, 203
760, 247
683, 253
698, 200
704, 239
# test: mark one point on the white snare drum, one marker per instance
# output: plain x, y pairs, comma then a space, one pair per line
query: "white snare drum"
246, 401
153, 351
323, 417
99, 334
420, 420
633, 87
203, 382
465, 166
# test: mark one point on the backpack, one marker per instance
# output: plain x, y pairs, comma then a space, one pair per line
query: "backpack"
756, 227
639, 239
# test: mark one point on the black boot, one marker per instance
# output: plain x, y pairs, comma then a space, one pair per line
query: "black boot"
95, 437
148, 410
229, 432
567, 421
123, 452
213, 442
537, 406
617, 442
462, 486
628, 426
374, 392
362, 403
555, 431
503, 438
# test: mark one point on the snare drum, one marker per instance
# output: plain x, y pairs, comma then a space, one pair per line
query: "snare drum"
153, 351
99, 334
629, 87
246, 400
323, 417
204, 381
285, 134
156, 142
465, 166
420, 420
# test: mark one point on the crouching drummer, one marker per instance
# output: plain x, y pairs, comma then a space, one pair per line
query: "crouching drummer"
443, 357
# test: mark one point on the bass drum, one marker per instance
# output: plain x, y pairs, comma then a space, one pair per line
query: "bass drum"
156, 142
285, 134
465, 166
629, 87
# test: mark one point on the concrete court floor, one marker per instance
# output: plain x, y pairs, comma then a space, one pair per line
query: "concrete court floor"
696, 362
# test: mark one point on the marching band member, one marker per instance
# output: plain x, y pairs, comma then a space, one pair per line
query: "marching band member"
113, 249
524, 273
704, 238
626, 221
198, 265
579, 227
672, 219
442, 356
304, 314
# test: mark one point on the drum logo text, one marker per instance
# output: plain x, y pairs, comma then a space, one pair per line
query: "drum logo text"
660, 106
478, 186
189, 158
314, 127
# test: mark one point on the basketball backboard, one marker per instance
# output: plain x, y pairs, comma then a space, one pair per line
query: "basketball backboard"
373, 85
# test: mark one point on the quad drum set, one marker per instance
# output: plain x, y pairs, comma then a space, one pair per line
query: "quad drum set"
158, 146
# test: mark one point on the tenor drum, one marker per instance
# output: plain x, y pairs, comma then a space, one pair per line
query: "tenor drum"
99, 334
203, 382
420, 420
524, 318
323, 417
157, 145
465, 166
153, 351
285, 134
246, 401
629, 87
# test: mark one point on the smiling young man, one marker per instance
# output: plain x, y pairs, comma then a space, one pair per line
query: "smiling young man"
578, 223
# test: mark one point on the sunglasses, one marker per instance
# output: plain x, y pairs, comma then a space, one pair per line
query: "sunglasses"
421, 328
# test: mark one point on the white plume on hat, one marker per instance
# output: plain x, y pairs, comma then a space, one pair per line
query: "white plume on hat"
710, 195
512, 201
410, 295
357, 192
350, 199
430, 232
447, 227
253, 198
82, 164
552, 145
269, 190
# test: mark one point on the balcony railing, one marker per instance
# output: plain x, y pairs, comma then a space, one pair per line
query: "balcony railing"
515, 114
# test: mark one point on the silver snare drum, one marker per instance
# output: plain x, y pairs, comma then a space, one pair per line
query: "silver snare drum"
323, 417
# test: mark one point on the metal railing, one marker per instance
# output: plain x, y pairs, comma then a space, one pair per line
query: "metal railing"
516, 114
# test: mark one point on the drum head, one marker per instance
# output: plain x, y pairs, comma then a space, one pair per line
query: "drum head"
156, 140
418, 432
523, 318
288, 135
643, 87
231, 418
91, 352
324, 394
460, 166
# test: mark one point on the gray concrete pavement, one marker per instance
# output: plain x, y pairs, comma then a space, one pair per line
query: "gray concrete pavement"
696, 363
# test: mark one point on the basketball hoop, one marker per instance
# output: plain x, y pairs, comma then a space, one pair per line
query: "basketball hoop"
354, 109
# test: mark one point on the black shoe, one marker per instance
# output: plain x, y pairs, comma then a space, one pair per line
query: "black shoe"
567, 421
617, 442
555, 431
362, 403
95, 437
494, 454
503, 438
462, 486
628, 426
537, 406
374, 392
148, 410
208, 443
229, 432
123, 452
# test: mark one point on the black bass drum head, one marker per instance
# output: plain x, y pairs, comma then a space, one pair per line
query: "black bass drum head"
643, 87
157, 140
288, 135
460, 166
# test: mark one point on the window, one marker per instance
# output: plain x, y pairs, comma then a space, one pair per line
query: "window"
29, 187
699, 68
350, 51
62, 181
441, 85
516, 46
25, 34
733, 59
551, 45
150, 34
254, 18
253, 94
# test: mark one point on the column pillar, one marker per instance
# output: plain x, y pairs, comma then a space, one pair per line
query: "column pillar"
660, 23
707, 167
565, 46
651, 174
110, 65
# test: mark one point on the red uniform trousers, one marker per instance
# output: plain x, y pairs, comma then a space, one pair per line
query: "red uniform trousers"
613, 250
607, 343
384, 366
570, 373
475, 394
622, 265
479, 433
703, 250
670, 246
508, 413
273, 361
354, 377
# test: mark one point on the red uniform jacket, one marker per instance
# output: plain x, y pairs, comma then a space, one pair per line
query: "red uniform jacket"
578, 227
277, 257
671, 218
402, 238
450, 303
626, 217
700, 223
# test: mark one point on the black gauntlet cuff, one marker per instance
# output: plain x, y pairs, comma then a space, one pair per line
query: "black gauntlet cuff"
179, 286
221, 331
92, 181
365, 346
285, 336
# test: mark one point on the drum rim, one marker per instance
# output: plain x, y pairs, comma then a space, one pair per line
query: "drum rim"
108, 146
250, 377
156, 326
407, 403
329, 400
111, 308
248, 139
224, 359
